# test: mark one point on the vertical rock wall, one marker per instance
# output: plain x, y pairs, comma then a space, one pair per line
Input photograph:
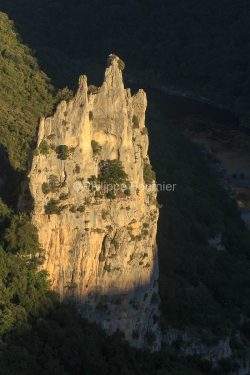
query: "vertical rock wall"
100, 252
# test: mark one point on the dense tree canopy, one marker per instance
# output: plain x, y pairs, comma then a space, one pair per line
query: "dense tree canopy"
25, 94
24, 291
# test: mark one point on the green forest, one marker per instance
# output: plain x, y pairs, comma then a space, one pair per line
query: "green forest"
199, 288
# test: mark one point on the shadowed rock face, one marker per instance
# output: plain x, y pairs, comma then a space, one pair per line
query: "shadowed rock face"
100, 252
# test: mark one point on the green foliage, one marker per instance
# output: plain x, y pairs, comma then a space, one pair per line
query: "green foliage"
110, 194
45, 188
21, 236
52, 208
81, 208
96, 147
135, 122
54, 183
64, 94
127, 192
25, 94
111, 172
198, 285
61, 343
113, 177
52, 186
77, 169
148, 174
63, 196
105, 214
44, 147
23, 289
62, 152
121, 63
92, 89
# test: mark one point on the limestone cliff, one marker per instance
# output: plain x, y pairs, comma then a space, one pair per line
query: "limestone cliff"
100, 245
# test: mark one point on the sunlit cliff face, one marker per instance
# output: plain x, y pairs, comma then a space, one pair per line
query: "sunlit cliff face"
99, 235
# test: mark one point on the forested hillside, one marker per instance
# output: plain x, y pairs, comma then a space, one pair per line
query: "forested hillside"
26, 94
201, 46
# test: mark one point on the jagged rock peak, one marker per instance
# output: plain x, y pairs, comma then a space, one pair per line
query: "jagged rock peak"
95, 206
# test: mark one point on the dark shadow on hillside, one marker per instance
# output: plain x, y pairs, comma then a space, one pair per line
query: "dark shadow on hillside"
61, 342
10, 180
63, 51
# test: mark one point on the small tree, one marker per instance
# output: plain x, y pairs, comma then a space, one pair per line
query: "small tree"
45, 188
135, 122
112, 172
96, 147
120, 62
64, 94
54, 183
44, 147
62, 152
52, 208
148, 174
77, 169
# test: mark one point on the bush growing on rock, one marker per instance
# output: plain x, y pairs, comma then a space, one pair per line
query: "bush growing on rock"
148, 174
52, 207
44, 147
112, 173
54, 183
135, 122
92, 89
62, 152
96, 147
121, 63
63, 196
45, 188
77, 169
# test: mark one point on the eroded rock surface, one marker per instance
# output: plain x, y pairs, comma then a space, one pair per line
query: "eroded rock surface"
100, 250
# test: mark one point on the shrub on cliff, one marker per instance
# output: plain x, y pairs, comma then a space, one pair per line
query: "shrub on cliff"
52, 208
111, 172
44, 148
64, 94
121, 63
96, 147
135, 122
24, 289
62, 152
148, 174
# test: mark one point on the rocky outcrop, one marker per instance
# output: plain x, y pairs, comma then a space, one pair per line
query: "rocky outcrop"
100, 241
190, 344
